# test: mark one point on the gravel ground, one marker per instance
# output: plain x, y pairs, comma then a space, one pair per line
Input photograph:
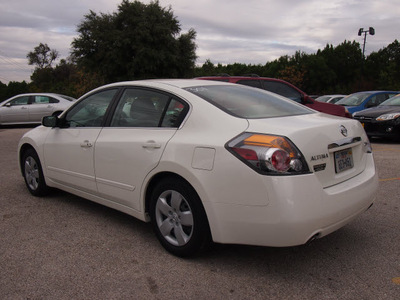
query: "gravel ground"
65, 247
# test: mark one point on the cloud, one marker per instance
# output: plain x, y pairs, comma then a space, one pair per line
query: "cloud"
228, 31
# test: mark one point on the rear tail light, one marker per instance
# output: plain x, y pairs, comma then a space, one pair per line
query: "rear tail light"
268, 154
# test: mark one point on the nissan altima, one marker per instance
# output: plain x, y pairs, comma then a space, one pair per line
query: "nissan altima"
206, 161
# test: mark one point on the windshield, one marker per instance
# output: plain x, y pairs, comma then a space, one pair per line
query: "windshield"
394, 101
249, 103
353, 99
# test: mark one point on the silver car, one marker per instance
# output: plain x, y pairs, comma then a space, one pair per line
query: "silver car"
31, 108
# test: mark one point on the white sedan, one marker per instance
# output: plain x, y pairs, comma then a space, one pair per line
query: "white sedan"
31, 108
206, 161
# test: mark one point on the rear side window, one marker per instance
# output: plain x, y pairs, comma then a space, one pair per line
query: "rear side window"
146, 108
253, 83
247, 102
44, 100
282, 89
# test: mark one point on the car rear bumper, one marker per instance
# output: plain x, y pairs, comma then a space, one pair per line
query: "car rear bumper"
298, 210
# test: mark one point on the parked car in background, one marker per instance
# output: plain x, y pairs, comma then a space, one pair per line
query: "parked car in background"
382, 120
330, 98
206, 161
362, 100
31, 108
285, 89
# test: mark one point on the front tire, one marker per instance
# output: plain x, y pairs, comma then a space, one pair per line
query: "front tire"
33, 173
178, 218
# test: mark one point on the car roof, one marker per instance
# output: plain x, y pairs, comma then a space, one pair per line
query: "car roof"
248, 77
39, 94
179, 83
374, 92
160, 83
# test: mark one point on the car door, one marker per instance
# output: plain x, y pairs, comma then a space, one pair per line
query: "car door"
40, 107
126, 151
69, 148
15, 110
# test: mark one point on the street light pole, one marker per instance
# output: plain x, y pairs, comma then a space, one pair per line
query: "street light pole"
371, 31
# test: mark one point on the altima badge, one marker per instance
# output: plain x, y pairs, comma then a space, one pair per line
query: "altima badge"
343, 130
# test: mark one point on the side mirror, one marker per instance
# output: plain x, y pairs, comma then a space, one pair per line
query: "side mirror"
7, 104
50, 121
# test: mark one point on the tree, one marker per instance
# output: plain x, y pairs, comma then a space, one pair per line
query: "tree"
383, 67
138, 41
13, 88
42, 56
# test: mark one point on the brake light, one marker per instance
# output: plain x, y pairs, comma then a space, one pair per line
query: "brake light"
277, 160
347, 114
268, 154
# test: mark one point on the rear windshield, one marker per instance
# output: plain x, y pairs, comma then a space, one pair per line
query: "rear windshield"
67, 97
249, 103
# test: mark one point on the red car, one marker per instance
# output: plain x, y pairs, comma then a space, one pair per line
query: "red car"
285, 89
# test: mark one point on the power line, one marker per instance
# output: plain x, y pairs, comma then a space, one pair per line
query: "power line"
13, 67
13, 62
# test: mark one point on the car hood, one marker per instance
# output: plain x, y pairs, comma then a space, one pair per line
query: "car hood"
318, 137
379, 110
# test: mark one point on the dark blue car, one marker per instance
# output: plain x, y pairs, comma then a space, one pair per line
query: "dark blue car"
362, 100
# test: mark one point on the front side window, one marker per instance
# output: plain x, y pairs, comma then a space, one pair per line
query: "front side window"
146, 108
282, 89
19, 101
90, 111
376, 100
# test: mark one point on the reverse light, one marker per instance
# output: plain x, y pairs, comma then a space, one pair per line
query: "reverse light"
387, 117
268, 154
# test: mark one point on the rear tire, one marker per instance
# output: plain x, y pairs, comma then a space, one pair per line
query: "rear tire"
33, 173
178, 218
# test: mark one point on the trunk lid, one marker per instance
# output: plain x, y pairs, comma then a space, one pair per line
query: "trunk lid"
334, 148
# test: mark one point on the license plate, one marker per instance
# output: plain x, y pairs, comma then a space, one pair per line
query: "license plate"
343, 160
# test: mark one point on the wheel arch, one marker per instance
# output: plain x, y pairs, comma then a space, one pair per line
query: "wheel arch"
160, 177
154, 181
25, 147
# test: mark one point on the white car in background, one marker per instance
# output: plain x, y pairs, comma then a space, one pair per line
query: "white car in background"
31, 108
206, 160
330, 98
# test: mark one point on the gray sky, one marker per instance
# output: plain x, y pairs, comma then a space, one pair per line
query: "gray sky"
228, 31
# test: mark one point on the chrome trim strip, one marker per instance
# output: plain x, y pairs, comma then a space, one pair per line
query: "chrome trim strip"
345, 142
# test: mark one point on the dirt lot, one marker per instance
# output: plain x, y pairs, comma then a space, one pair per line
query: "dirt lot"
64, 247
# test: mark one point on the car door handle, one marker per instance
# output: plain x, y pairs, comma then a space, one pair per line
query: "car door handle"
151, 145
86, 144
